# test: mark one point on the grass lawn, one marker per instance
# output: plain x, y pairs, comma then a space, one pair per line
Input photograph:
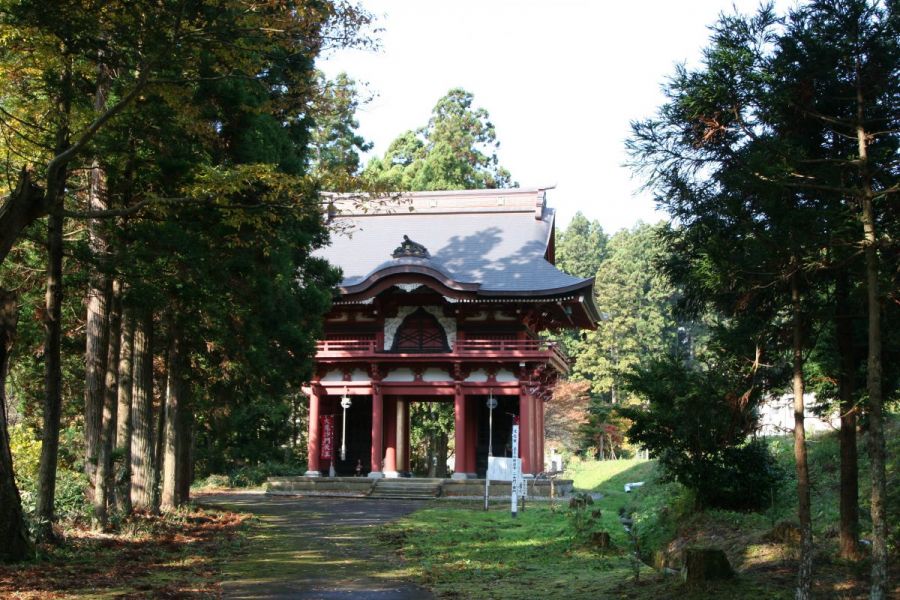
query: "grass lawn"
464, 552
468, 553
176, 556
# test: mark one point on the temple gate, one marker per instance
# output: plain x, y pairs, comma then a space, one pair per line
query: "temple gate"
444, 298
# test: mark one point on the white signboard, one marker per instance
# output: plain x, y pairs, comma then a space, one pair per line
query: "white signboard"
500, 468
518, 482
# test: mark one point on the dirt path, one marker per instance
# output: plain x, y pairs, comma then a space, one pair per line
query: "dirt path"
315, 548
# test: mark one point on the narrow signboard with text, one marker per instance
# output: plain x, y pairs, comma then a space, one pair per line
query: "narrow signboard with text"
327, 422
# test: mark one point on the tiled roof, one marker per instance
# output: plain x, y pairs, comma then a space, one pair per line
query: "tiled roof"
490, 241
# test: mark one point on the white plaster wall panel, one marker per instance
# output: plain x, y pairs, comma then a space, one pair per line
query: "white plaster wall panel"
505, 376
478, 375
434, 374
392, 324
333, 375
403, 374
359, 375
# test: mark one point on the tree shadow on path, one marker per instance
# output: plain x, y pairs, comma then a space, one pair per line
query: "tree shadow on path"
315, 548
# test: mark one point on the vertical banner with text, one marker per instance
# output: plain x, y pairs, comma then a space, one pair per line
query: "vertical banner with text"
327, 429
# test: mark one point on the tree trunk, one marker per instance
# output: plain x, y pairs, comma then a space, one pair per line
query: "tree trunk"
849, 494
440, 469
123, 422
25, 205
171, 452
158, 441
804, 513
52, 376
877, 453
142, 414
15, 546
184, 473
95, 358
103, 481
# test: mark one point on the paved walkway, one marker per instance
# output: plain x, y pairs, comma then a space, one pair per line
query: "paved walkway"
315, 548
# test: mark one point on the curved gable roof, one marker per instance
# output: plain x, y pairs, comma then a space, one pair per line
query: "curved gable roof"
490, 241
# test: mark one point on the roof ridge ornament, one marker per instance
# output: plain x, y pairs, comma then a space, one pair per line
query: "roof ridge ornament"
410, 249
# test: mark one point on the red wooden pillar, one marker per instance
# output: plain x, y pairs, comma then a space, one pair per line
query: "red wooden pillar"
471, 436
313, 440
400, 434
541, 433
377, 432
390, 437
526, 425
459, 414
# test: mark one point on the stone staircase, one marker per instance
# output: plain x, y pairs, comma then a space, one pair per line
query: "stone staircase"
406, 488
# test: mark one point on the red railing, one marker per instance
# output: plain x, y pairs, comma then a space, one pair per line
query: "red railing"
352, 346
470, 347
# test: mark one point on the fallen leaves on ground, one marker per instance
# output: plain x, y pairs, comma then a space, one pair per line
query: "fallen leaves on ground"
176, 555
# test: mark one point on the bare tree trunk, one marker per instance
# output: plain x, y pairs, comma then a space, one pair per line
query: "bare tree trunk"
52, 376
158, 439
849, 495
185, 446
142, 414
15, 546
103, 481
877, 453
96, 329
804, 513
123, 424
95, 357
25, 205
171, 451
441, 442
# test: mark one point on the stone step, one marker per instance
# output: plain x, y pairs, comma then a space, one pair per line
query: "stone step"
405, 488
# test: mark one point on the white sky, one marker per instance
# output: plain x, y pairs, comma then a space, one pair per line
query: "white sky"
561, 79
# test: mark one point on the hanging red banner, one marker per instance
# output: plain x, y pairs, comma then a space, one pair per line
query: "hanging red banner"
327, 428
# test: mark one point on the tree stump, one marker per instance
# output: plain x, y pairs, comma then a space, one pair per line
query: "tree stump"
600, 540
580, 500
785, 532
705, 564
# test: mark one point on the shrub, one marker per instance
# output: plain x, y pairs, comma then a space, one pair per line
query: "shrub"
70, 501
250, 475
697, 423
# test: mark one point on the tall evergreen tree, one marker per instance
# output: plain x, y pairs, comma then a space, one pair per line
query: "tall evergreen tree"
456, 150
771, 147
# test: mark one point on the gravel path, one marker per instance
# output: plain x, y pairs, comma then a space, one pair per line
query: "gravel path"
315, 548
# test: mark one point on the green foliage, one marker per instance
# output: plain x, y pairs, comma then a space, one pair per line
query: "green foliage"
455, 151
636, 306
638, 321
71, 502
697, 422
249, 476
581, 247
335, 145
